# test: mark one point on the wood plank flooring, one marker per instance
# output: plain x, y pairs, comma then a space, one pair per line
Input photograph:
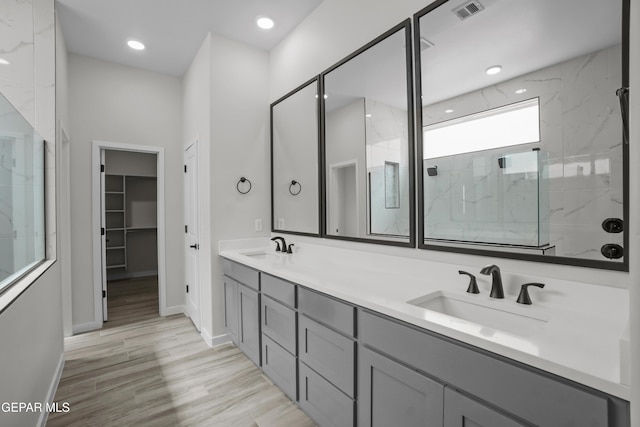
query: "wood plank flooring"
145, 370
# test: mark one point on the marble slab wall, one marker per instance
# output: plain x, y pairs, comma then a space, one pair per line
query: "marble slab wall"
387, 140
581, 130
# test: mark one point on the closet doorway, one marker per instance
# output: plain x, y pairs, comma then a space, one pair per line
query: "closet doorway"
128, 206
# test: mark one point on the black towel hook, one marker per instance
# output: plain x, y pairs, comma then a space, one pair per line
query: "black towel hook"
241, 181
292, 186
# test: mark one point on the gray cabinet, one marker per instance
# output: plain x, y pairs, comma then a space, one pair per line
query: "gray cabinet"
280, 365
249, 327
324, 402
327, 352
391, 394
231, 314
462, 411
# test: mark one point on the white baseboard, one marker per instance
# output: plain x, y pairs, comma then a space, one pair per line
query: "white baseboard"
85, 327
131, 275
51, 393
214, 341
170, 311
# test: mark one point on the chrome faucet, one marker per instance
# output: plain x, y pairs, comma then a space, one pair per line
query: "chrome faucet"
496, 280
278, 247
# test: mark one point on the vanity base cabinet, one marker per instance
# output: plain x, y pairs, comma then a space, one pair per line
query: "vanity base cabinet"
231, 314
249, 323
520, 391
462, 411
322, 401
391, 394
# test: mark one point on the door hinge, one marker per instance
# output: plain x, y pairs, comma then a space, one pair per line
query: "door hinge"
102, 231
185, 168
187, 288
101, 168
185, 228
104, 294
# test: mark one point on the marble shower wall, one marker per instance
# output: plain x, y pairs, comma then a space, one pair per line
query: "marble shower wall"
581, 130
387, 140
27, 80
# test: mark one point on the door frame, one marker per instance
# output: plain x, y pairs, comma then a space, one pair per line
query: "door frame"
97, 146
334, 168
196, 144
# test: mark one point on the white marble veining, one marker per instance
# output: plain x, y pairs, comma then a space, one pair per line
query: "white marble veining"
580, 341
580, 129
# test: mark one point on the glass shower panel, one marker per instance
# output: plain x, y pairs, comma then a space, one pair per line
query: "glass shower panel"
491, 197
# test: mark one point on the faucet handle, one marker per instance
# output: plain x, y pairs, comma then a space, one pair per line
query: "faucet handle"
473, 284
524, 297
289, 250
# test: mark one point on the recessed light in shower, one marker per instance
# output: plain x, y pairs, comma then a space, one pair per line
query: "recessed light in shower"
135, 45
520, 91
494, 69
449, 111
265, 23
4, 61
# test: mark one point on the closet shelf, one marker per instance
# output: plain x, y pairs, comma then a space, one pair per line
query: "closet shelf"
117, 266
116, 247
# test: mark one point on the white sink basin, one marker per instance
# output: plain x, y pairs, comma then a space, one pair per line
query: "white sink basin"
264, 255
491, 314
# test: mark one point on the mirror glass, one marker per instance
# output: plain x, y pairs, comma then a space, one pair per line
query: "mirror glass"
368, 142
521, 133
295, 195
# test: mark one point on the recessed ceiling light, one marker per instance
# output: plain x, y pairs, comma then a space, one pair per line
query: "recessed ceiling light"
449, 111
368, 116
4, 61
265, 23
519, 91
494, 69
135, 44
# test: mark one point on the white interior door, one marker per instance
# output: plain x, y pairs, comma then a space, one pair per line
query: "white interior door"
192, 233
103, 239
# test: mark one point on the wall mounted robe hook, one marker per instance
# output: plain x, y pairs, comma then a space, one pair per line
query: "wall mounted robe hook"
295, 185
241, 181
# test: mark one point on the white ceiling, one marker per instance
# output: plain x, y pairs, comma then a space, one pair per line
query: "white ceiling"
172, 30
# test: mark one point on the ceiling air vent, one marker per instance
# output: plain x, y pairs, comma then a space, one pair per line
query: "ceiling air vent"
468, 9
425, 44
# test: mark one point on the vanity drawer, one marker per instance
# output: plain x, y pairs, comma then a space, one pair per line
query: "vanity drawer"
279, 323
327, 310
280, 366
328, 406
243, 274
279, 289
515, 388
329, 353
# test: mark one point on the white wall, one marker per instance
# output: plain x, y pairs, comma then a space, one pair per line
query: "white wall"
239, 147
114, 103
310, 49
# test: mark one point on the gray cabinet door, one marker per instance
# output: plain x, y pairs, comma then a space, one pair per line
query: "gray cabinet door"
280, 366
390, 394
279, 323
231, 314
249, 328
322, 401
462, 411
329, 353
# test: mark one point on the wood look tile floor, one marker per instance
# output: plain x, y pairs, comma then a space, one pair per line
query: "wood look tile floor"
145, 370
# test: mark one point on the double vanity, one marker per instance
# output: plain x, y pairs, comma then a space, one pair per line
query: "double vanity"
363, 338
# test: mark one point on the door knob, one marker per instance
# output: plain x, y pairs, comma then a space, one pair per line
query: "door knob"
195, 246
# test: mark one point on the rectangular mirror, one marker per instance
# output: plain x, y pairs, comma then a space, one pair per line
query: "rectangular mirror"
295, 192
368, 142
521, 132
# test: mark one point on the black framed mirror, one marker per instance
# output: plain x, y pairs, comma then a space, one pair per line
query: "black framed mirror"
367, 117
295, 171
520, 130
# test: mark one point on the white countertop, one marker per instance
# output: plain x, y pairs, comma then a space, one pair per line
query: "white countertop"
579, 340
